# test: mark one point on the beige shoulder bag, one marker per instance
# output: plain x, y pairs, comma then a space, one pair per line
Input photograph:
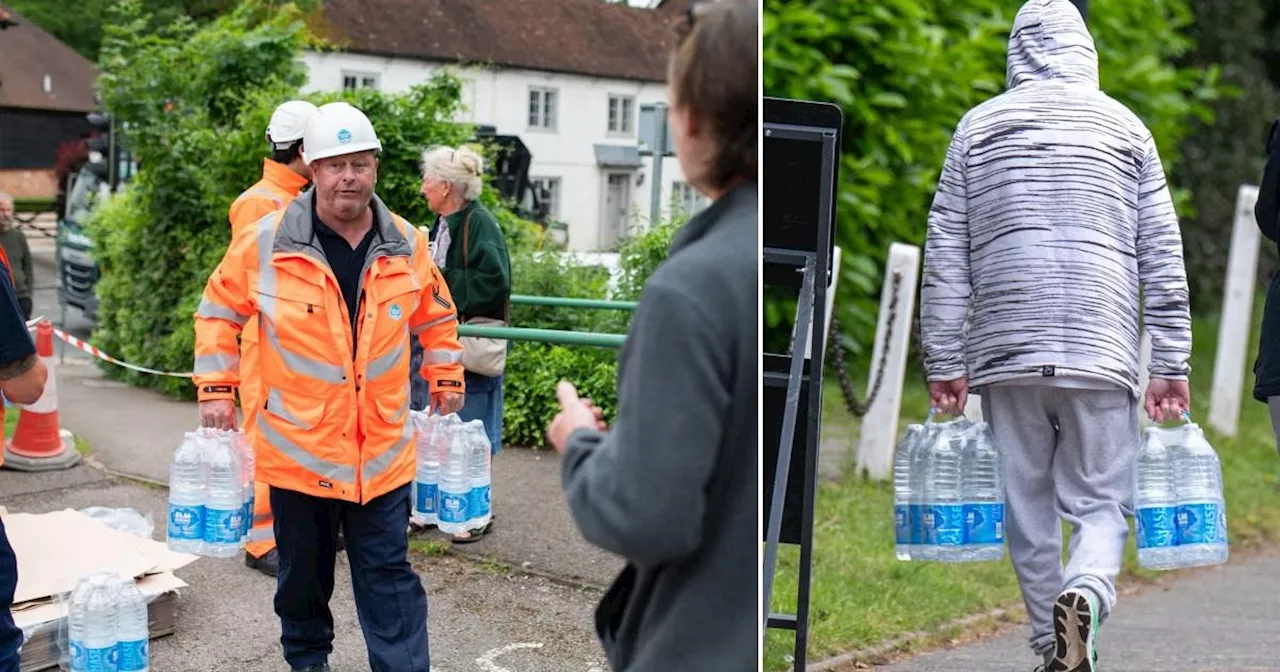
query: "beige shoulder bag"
484, 356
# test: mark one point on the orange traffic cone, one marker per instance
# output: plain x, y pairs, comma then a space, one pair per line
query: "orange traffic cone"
38, 444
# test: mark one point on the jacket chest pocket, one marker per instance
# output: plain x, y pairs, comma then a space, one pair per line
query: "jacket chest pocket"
393, 301
294, 304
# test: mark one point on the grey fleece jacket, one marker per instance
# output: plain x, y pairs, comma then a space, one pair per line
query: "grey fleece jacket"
1052, 212
671, 486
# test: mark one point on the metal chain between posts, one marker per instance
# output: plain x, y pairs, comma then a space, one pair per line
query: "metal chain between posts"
859, 408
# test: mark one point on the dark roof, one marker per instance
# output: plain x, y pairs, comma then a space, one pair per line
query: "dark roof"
587, 37
27, 54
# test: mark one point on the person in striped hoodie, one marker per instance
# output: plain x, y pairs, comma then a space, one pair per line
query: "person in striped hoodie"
1052, 235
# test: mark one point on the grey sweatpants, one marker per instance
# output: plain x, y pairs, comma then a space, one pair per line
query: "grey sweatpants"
1273, 404
1067, 453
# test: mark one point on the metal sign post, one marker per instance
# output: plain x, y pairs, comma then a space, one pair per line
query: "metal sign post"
801, 158
655, 141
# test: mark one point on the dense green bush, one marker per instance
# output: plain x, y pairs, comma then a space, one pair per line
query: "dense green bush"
904, 71
194, 102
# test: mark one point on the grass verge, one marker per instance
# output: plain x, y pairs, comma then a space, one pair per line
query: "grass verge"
861, 596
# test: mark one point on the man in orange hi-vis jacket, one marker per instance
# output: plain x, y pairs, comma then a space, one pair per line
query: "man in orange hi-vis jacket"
339, 284
284, 175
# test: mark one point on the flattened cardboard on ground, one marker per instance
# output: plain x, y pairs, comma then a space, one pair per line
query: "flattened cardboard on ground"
55, 549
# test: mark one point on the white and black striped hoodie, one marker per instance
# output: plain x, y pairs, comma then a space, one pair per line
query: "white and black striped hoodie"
1051, 212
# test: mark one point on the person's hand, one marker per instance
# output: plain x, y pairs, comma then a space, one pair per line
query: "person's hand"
575, 414
447, 402
1167, 399
218, 414
949, 396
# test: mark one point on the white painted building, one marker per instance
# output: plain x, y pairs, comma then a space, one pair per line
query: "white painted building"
566, 76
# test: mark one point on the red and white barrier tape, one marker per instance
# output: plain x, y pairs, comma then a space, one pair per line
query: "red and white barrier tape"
85, 347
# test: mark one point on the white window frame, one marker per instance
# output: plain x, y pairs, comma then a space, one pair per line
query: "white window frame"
622, 103
553, 185
361, 80
538, 119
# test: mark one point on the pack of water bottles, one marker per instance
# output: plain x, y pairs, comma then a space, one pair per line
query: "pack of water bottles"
210, 494
948, 493
452, 487
1178, 500
106, 628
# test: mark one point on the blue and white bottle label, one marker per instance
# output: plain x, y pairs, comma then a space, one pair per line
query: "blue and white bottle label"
453, 508
186, 522
901, 524
132, 656
79, 659
101, 660
478, 502
915, 524
427, 497
984, 523
1157, 527
223, 526
246, 517
1201, 523
948, 525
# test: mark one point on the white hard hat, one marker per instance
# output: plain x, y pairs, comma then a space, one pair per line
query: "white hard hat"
336, 129
289, 120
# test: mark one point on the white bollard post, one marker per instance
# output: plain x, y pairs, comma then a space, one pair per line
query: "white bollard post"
879, 429
1237, 314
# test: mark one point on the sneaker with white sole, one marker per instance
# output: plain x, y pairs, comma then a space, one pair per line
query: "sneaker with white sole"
1075, 625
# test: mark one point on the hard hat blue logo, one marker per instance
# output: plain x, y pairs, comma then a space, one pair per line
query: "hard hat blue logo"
344, 136
395, 312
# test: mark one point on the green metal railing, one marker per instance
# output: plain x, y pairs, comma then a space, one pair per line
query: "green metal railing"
558, 302
554, 336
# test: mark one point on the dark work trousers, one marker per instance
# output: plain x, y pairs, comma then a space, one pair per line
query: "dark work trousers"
10, 634
390, 600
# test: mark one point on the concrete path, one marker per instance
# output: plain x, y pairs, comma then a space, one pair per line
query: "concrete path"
1214, 620
489, 616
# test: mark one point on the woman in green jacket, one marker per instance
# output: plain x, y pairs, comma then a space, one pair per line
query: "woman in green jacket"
468, 247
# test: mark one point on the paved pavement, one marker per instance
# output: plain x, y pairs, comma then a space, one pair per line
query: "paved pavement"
490, 616
1221, 619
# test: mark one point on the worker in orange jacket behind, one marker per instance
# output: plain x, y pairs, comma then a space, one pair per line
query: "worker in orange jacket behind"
284, 176
339, 284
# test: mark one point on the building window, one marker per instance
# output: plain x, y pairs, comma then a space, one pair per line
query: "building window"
622, 115
685, 199
542, 109
548, 188
358, 80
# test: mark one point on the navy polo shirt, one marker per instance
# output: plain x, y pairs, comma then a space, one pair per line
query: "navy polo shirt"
15, 340
347, 263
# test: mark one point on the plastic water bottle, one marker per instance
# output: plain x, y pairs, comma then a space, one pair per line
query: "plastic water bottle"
903, 515
918, 515
982, 491
100, 625
224, 506
426, 483
478, 504
77, 615
132, 630
1155, 503
455, 485
1201, 514
249, 462
184, 529
944, 512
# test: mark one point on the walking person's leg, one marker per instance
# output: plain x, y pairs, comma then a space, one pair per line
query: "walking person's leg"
1024, 430
1093, 474
390, 599
306, 531
1273, 405
10, 634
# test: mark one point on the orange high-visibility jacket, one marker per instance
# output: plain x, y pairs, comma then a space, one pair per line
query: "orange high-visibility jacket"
277, 188
331, 425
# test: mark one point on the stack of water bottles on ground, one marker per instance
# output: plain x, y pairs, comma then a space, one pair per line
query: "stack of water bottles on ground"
106, 628
948, 493
210, 493
1178, 499
451, 489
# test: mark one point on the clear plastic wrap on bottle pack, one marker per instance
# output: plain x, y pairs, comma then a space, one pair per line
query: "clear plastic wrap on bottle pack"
106, 628
1177, 474
210, 490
